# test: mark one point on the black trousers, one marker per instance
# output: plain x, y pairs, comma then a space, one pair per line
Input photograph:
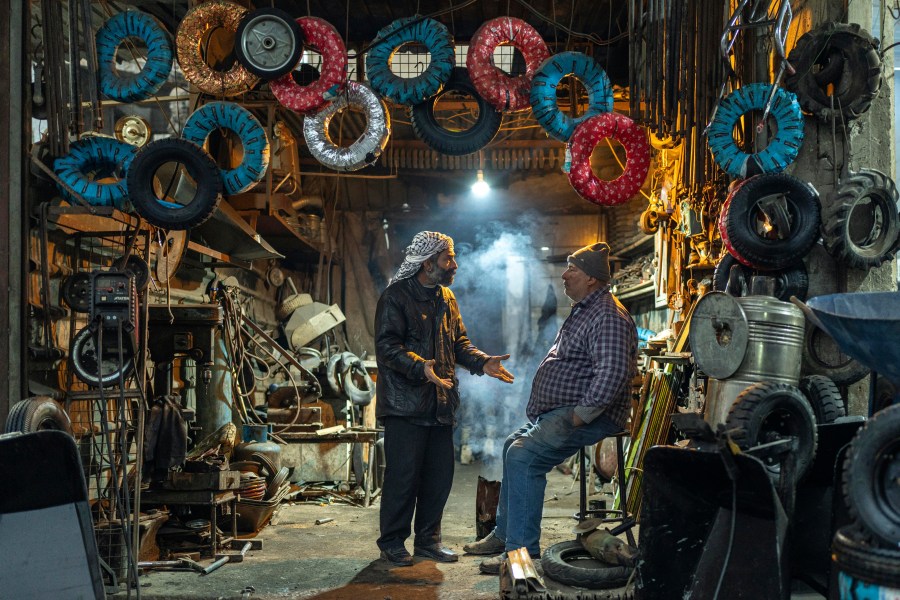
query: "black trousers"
417, 478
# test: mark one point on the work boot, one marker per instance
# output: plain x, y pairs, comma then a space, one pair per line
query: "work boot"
399, 556
488, 545
491, 566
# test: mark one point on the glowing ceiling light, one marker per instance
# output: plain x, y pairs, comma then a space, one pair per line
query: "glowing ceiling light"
480, 188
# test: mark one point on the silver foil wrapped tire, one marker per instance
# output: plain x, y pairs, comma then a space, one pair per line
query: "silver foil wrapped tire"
367, 148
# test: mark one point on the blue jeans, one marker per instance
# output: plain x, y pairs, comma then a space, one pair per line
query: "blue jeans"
528, 455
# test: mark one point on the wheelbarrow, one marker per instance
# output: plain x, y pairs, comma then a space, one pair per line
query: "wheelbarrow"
865, 325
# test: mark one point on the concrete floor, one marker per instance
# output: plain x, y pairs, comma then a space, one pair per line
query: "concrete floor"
339, 560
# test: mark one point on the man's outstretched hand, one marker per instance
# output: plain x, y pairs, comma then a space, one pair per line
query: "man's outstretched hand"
433, 378
495, 369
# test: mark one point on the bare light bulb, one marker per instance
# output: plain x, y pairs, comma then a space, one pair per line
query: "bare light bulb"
480, 188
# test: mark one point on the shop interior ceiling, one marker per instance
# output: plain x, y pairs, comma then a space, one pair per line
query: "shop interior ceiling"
520, 150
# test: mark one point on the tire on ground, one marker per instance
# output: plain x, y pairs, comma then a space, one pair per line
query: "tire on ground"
38, 414
561, 563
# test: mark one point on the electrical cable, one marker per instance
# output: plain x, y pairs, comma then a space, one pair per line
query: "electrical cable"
730, 538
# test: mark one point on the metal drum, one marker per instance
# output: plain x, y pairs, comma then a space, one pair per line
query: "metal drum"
774, 347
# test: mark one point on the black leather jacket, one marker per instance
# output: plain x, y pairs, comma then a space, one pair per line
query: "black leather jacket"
414, 323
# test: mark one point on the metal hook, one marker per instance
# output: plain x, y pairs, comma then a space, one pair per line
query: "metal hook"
894, 10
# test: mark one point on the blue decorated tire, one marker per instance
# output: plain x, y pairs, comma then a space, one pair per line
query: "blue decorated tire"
427, 32
235, 118
155, 72
543, 92
90, 160
782, 148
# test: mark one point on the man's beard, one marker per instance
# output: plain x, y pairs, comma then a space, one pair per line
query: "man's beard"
441, 276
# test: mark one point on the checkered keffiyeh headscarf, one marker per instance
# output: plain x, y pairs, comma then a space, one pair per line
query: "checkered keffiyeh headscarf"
424, 245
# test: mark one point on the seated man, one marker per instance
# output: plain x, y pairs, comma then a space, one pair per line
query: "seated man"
580, 395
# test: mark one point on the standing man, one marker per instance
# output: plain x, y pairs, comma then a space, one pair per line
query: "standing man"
419, 339
580, 395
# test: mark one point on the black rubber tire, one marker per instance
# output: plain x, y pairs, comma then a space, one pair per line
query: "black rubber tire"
289, 63
824, 398
83, 356
741, 222
854, 556
138, 267
40, 413
456, 143
75, 291
766, 412
840, 54
200, 167
726, 281
822, 356
792, 281
858, 248
557, 561
871, 470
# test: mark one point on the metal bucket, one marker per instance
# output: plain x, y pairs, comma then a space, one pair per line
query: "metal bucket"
774, 347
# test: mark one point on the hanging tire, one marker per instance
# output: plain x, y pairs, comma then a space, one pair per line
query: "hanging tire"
861, 223
75, 291
782, 148
855, 556
100, 368
367, 148
824, 398
823, 356
791, 281
200, 167
93, 158
453, 142
570, 563
637, 164
193, 29
767, 412
40, 413
543, 97
268, 43
502, 91
321, 36
418, 30
839, 56
871, 471
254, 143
776, 235
155, 70
649, 222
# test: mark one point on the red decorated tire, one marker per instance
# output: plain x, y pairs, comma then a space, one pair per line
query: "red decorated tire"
503, 92
723, 216
637, 164
321, 36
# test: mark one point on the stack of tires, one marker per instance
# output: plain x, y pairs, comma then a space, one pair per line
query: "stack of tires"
866, 553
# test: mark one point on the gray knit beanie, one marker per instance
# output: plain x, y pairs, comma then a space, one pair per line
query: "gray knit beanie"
593, 260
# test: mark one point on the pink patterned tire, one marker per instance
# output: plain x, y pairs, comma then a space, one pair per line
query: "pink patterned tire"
502, 91
637, 149
321, 36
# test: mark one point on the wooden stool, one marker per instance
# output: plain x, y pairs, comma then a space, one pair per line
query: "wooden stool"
620, 515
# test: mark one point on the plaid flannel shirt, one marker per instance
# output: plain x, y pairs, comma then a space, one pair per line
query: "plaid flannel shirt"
591, 363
